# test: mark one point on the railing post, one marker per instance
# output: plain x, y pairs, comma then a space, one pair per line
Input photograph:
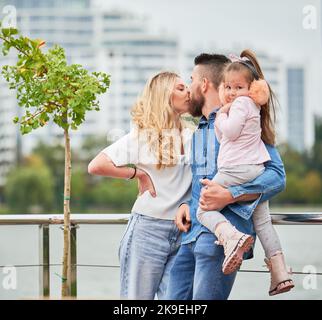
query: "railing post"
73, 261
44, 275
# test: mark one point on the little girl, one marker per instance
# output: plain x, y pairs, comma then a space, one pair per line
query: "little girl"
242, 126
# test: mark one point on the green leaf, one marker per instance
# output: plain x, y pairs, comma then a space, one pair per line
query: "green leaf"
14, 31
25, 129
6, 32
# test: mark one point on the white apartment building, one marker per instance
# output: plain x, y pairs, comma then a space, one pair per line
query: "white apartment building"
300, 125
8, 131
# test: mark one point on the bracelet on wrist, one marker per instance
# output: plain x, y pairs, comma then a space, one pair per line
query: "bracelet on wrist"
134, 174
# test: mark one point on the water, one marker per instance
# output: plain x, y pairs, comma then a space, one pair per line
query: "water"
98, 244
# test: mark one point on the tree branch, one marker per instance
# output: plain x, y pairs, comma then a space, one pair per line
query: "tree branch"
42, 110
17, 48
33, 116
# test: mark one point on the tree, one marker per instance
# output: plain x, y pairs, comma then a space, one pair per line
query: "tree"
293, 160
53, 157
35, 177
50, 89
79, 188
312, 187
119, 194
314, 158
303, 177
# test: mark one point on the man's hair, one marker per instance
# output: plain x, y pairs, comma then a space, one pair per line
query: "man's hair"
214, 66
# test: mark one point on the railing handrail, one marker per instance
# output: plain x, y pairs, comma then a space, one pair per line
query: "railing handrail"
80, 218
289, 218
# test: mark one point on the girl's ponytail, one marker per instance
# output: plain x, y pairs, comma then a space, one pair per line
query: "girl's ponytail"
251, 56
267, 121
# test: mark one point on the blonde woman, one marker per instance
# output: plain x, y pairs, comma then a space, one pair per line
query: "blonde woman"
158, 146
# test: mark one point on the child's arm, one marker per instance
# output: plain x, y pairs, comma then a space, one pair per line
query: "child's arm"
223, 109
231, 125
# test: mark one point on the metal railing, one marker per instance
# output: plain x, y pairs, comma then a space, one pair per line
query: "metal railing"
45, 220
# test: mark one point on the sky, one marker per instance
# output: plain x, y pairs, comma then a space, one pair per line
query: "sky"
273, 26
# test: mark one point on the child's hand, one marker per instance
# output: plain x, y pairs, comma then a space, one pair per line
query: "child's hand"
225, 108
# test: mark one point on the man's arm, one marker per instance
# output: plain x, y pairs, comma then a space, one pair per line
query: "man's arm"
215, 197
270, 183
267, 185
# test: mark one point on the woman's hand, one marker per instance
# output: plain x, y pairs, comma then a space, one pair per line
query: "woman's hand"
182, 219
145, 183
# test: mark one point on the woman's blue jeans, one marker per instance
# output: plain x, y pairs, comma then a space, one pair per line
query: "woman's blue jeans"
146, 254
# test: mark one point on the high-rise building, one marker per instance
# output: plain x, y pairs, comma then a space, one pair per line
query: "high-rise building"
8, 131
300, 120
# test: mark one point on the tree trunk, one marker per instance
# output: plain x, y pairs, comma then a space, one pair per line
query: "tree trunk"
67, 183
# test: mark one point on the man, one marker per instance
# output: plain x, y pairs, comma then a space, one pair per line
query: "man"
197, 270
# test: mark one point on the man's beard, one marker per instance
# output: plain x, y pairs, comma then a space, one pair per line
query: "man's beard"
196, 103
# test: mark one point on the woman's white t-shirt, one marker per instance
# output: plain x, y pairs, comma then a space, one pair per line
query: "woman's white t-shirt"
172, 184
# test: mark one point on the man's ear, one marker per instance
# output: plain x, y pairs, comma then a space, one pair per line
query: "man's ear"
204, 85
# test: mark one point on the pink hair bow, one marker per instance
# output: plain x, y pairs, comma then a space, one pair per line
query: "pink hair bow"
235, 58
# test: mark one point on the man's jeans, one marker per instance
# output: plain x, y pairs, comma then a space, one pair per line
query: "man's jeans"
146, 255
196, 273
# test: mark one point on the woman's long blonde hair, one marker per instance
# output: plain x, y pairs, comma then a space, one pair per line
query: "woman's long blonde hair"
153, 113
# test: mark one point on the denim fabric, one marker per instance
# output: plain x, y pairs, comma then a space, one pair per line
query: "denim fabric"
196, 273
146, 254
